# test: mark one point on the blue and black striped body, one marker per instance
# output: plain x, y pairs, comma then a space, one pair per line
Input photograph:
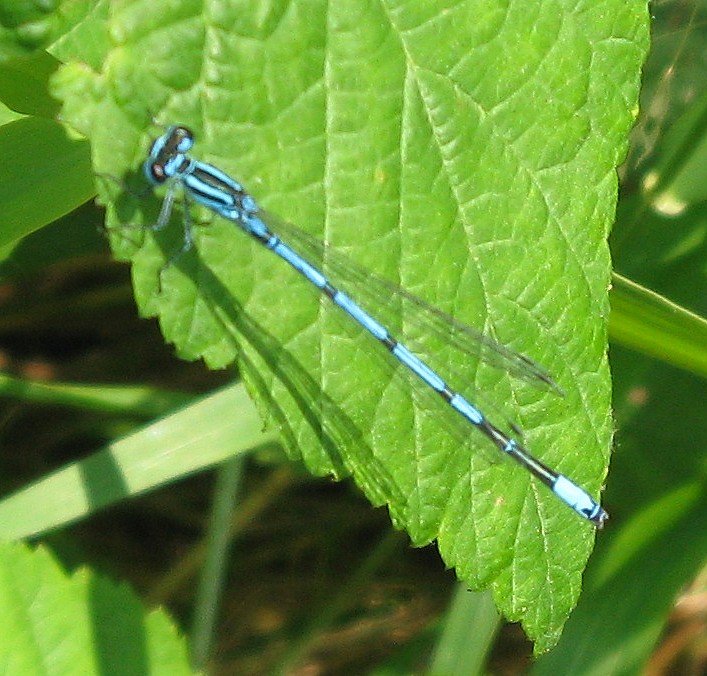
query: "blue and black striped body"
168, 162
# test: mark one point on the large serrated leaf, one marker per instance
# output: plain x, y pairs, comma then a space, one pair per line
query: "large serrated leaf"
465, 151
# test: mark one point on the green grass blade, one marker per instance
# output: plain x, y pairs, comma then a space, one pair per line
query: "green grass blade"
646, 321
197, 437
145, 402
467, 634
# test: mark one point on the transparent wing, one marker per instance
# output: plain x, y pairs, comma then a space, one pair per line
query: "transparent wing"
374, 292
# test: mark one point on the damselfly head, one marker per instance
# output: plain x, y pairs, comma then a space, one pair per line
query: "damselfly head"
166, 158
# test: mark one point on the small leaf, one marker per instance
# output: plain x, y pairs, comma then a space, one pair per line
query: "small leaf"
48, 177
54, 623
24, 84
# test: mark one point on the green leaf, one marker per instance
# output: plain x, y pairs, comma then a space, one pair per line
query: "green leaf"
466, 152
25, 25
48, 177
78, 234
55, 623
24, 84
30, 25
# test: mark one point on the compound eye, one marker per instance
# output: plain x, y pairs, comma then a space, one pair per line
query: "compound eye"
156, 173
184, 139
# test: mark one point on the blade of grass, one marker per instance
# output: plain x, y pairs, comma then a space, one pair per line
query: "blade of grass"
650, 323
467, 634
197, 437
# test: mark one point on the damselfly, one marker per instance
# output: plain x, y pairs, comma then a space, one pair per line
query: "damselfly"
169, 163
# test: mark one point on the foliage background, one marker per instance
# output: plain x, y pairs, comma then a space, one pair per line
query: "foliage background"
306, 586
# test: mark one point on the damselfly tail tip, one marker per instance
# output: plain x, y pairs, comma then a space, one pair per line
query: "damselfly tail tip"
600, 518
